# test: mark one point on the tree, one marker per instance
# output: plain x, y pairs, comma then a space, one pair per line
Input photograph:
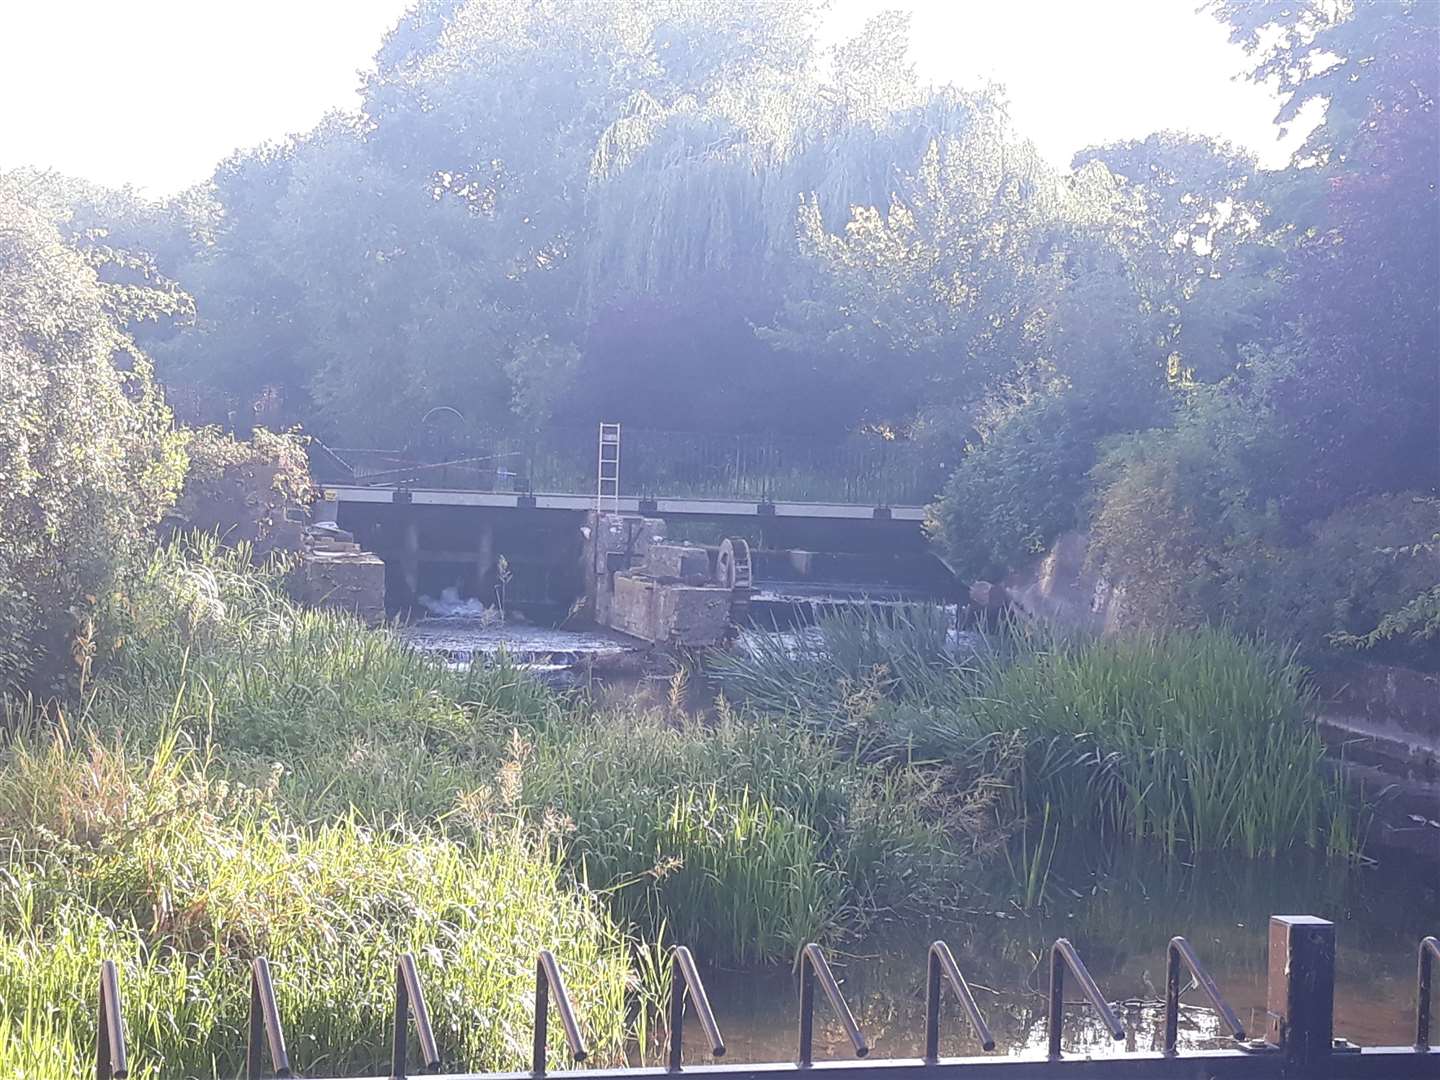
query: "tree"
87, 458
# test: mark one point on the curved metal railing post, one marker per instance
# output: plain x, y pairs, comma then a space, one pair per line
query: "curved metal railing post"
941, 962
410, 1002
111, 1062
1180, 953
814, 966
265, 1027
1429, 953
547, 982
684, 977
1063, 955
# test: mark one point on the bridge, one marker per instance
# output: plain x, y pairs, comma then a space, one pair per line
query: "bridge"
657, 473
512, 512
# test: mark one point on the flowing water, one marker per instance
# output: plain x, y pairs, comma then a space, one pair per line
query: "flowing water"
1120, 919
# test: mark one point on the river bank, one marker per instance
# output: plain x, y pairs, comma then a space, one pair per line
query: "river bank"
249, 777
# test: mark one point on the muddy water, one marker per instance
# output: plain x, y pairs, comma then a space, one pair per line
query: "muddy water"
1120, 923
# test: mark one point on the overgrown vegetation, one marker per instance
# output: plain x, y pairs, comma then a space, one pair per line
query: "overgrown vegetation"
247, 777
1196, 740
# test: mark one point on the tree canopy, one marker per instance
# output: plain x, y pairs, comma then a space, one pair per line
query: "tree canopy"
687, 214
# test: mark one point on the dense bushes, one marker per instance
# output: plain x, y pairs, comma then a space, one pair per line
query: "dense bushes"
1015, 491
1196, 523
87, 462
243, 490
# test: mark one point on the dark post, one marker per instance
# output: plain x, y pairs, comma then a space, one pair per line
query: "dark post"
807, 1012
1429, 952
1301, 990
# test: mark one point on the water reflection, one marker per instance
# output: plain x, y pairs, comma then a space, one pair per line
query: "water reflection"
1120, 922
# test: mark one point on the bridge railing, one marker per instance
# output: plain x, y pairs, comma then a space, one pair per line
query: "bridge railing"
861, 470
1300, 1042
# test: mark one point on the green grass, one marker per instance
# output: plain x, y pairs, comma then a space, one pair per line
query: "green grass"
181, 875
1197, 740
245, 777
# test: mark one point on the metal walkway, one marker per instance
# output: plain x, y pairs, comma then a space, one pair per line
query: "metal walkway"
1300, 1044
663, 472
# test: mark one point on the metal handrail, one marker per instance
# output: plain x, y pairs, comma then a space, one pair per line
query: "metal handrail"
265, 1026
684, 977
548, 981
813, 965
111, 1061
942, 962
1063, 955
410, 1002
1429, 953
1180, 952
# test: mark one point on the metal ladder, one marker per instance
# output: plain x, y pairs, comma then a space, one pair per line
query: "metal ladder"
607, 469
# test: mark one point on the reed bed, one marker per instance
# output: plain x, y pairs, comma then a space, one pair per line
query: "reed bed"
1198, 740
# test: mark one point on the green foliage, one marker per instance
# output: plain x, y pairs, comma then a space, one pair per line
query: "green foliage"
180, 875
1016, 490
242, 491
87, 463
1176, 515
738, 838
1198, 740
745, 839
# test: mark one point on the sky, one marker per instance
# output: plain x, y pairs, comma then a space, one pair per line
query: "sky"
153, 93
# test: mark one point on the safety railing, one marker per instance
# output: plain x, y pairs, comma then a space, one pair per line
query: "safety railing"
1179, 955
813, 967
410, 1005
548, 982
862, 470
1062, 957
1424, 979
686, 978
941, 962
111, 1062
266, 1031
1300, 1043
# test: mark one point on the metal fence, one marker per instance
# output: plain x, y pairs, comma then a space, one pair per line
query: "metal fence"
1300, 1042
868, 471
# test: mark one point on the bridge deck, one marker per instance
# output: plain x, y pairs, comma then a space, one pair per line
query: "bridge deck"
659, 507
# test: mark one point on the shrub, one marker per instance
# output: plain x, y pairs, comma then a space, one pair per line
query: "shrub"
242, 491
1015, 491
1177, 518
87, 461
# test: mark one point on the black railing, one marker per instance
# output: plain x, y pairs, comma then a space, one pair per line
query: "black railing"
1300, 1042
869, 471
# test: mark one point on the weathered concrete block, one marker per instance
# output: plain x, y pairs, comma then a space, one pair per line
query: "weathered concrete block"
677, 561
669, 613
350, 581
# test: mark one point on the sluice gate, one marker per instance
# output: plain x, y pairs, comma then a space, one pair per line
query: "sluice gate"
1300, 1042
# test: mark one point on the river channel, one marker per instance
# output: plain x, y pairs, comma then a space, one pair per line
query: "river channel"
1120, 918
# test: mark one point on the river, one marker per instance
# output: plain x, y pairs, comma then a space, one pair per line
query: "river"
1120, 925
1119, 917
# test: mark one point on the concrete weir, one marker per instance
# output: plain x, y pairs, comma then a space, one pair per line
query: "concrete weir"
659, 592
